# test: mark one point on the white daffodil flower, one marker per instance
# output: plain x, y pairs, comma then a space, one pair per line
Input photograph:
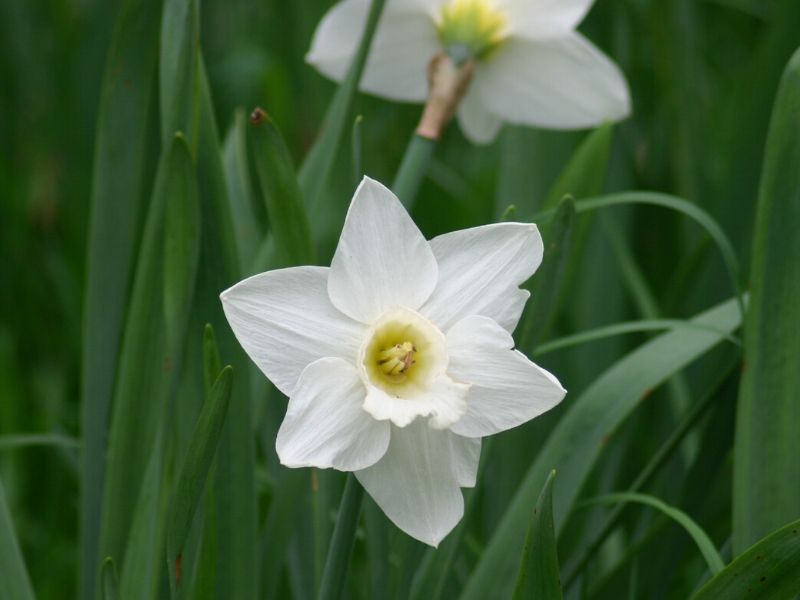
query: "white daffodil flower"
531, 66
398, 358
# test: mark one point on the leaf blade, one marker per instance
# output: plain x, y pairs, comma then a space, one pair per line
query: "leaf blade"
538, 575
768, 414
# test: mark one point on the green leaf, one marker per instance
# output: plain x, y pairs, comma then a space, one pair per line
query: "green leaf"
23, 440
769, 569
234, 522
118, 198
194, 472
581, 435
700, 537
607, 331
538, 575
282, 198
141, 569
545, 285
249, 229
344, 536
708, 397
212, 365
179, 49
412, 169
147, 366
181, 246
768, 412
680, 205
16, 583
585, 173
110, 580
316, 170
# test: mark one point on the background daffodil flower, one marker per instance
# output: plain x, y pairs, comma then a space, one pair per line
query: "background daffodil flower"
398, 358
531, 66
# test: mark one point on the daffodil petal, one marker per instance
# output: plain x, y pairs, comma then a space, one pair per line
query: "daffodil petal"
545, 18
562, 82
382, 259
466, 457
325, 426
284, 320
443, 400
507, 389
416, 483
404, 44
477, 123
480, 270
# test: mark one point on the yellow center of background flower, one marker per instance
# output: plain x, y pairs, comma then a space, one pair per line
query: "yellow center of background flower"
402, 353
471, 28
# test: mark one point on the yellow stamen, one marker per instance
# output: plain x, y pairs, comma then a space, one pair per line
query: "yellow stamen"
397, 359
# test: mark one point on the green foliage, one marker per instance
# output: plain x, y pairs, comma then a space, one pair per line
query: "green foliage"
15, 576
538, 573
770, 568
768, 417
123, 217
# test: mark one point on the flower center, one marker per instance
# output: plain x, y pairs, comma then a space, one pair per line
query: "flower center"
402, 353
471, 28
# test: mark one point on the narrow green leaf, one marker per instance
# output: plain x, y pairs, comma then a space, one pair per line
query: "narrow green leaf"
607, 331
141, 569
234, 520
316, 170
118, 197
179, 48
147, 366
680, 205
544, 287
110, 580
700, 537
357, 149
193, 474
249, 229
344, 536
16, 583
280, 525
212, 365
538, 575
282, 197
412, 169
585, 173
575, 444
181, 246
656, 462
23, 440
769, 569
768, 412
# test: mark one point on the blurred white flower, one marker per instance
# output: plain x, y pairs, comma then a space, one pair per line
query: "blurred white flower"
532, 67
398, 358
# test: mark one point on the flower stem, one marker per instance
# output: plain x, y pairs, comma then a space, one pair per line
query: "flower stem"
341, 546
412, 169
448, 83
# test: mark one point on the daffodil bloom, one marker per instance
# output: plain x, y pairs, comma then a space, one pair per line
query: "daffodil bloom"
398, 358
531, 66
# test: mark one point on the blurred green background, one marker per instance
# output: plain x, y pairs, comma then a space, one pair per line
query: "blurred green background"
703, 76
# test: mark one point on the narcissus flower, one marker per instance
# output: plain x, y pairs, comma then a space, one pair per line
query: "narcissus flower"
398, 358
531, 66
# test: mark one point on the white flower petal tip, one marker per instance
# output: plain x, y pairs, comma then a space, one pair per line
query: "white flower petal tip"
325, 426
507, 388
480, 271
284, 320
418, 481
382, 259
